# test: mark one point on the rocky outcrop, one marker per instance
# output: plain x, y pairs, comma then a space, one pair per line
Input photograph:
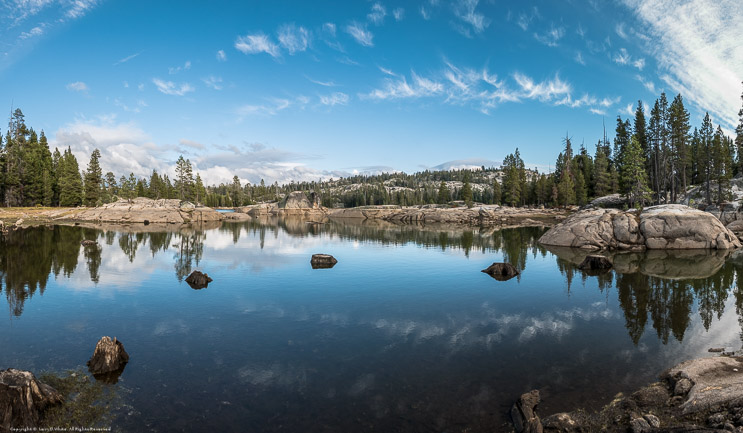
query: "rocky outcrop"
23, 399
485, 215
615, 201
323, 261
296, 203
524, 415
198, 280
299, 200
657, 227
501, 271
108, 360
701, 395
139, 210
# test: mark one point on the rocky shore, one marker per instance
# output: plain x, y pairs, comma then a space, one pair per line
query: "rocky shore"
700, 395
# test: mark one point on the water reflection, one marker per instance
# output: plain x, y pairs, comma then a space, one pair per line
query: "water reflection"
655, 287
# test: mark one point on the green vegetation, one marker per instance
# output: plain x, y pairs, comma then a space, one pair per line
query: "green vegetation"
87, 403
649, 161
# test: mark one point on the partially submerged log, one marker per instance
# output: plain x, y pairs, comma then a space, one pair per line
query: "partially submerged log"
108, 360
198, 280
501, 271
323, 261
23, 399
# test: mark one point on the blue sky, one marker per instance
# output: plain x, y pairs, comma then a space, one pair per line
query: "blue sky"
297, 90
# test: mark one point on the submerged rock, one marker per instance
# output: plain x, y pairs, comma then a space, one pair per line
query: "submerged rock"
658, 227
595, 263
108, 360
23, 399
198, 280
322, 261
501, 271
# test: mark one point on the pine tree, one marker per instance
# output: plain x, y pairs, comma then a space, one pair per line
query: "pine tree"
721, 164
640, 133
581, 195
70, 181
236, 191
93, 180
496, 192
678, 127
443, 196
705, 154
514, 179
467, 190
635, 177
48, 177
566, 180
601, 176
200, 189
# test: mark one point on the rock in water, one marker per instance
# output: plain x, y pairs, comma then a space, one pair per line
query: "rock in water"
108, 360
23, 398
322, 261
198, 280
595, 263
523, 413
501, 271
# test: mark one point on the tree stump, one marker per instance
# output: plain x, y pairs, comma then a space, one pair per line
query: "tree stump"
198, 280
595, 263
23, 399
322, 261
108, 360
501, 271
523, 413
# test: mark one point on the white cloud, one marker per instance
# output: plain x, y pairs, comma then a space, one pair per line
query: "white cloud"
547, 90
697, 43
465, 11
377, 14
645, 82
400, 88
336, 98
274, 106
425, 13
221, 56
79, 8
629, 110
171, 88
127, 58
294, 39
551, 37
322, 83
78, 86
398, 13
639, 64
257, 43
579, 58
620, 31
213, 82
36, 31
622, 57
525, 18
186, 66
360, 34
329, 28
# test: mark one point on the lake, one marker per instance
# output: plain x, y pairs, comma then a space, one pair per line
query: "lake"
403, 334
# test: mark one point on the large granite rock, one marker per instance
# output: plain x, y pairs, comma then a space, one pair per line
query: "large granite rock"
299, 200
23, 399
657, 227
139, 210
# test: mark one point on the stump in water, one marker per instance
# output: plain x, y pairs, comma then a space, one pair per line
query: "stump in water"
501, 271
523, 413
23, 398
595, 263
322, 261
198, 280
108, 360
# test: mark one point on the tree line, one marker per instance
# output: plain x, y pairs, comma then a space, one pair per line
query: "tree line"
654, 160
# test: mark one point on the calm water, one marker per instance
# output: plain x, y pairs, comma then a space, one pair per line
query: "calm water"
403, 334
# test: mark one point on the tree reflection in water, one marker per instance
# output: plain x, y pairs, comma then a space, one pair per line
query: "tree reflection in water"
659, 287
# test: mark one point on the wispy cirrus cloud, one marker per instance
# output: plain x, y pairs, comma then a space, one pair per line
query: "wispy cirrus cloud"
361, 34
294, 38
697, 47
127, 58
465, 10
171, 88
221, 56
185, 67
213, 82
550, 37
36, 31
336, 98
398, 14
377, 14
78, 86
257, 43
